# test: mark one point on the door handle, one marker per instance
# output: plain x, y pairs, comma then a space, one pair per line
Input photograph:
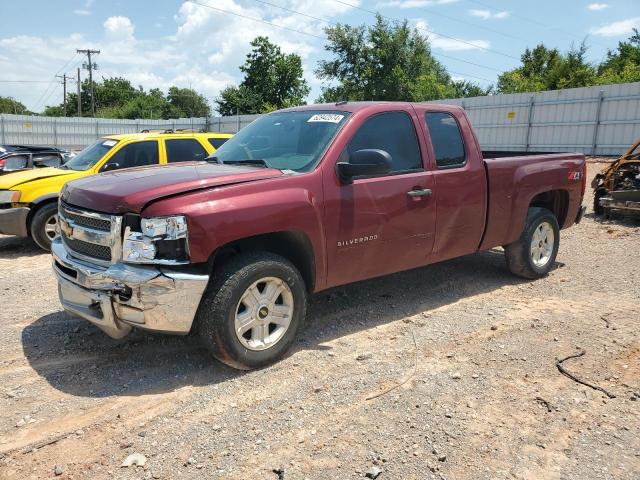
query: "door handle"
421, 192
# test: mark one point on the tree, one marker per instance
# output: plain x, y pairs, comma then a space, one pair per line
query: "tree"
548, 69
11, 105
272, 80
387, 61
116, 97
184, 102
622, 65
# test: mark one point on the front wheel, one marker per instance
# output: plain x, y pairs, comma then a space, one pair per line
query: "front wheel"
43, 225
534, 253
252, 309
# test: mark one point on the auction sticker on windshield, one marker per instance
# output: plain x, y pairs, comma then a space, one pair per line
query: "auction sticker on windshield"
326, 117
109, 143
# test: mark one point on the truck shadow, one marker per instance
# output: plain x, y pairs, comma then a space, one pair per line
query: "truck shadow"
75, 357
16, 247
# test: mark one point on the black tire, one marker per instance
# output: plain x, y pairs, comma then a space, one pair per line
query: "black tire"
518, 254
215, 319
39, 222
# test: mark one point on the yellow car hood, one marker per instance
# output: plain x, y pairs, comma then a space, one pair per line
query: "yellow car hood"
12, 180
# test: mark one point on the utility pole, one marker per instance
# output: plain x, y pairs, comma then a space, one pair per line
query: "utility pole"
79, 99
90, 66
64, 91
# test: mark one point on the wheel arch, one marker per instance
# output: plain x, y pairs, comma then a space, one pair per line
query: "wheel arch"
556, 201
295, 246
37, 204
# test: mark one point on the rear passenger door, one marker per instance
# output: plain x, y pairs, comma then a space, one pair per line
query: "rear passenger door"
460, 183
184, 150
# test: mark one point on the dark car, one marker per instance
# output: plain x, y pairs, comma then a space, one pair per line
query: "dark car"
24, 157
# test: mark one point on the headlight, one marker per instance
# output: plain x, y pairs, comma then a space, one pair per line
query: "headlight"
161, 241
9, 196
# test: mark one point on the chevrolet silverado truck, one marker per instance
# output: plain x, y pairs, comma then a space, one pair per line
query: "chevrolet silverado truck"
29, 199
301, 200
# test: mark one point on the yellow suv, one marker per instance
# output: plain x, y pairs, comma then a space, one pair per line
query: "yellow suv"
29, 199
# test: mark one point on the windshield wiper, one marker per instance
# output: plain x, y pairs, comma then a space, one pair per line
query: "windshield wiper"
258, 162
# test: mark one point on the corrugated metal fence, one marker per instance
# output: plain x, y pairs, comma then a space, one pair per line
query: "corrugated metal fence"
75, 133
602, 120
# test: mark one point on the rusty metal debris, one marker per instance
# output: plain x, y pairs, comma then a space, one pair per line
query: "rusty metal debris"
618, 186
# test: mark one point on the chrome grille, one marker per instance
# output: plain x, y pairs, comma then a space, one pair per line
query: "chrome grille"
90, 235
91, 222
100, 252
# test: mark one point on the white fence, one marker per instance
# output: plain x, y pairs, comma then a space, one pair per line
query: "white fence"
602, 120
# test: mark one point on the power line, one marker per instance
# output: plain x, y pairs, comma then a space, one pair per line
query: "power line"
257, 20
433, 32
38, 104
334, 23
535, 22
319, 19
28, 81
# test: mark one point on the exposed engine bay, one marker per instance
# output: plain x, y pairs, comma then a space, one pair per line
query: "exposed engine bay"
618, 186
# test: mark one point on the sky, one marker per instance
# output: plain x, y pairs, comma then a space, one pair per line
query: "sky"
160, 43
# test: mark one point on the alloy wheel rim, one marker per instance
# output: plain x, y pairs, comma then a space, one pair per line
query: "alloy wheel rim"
542, 244
263, 314
50, 226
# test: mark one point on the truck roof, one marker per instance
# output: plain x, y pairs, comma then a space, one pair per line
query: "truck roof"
150, 135
365, 105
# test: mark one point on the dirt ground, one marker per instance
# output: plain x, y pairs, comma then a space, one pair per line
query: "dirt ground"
483, 398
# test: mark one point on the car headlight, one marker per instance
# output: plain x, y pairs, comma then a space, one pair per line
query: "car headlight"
9, 196
161, 240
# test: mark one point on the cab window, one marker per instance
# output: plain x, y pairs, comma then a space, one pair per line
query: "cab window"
394, 133
217, 142
446, 139
184, 150
137, 154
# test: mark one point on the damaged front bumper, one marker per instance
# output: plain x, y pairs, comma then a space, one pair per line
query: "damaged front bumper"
121, 296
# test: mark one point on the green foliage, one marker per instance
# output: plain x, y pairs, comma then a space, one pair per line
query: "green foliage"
11, 105
387, 61
272, 80
622, 65
117, 98
548, 69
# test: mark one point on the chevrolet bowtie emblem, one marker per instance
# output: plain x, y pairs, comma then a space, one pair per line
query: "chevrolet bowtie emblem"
66, 229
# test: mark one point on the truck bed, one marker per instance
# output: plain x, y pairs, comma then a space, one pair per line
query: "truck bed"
514, 181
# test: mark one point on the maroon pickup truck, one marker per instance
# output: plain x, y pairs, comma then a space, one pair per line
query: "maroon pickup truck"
299, 201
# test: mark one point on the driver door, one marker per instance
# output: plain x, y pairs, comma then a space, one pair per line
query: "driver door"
381, 224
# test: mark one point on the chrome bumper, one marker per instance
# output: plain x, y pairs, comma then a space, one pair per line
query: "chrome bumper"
13, 221
121, 296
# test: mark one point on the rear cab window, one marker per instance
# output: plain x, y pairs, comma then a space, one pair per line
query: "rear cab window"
446, 139
217, 142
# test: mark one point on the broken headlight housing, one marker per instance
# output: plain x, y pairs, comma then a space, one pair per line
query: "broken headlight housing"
161, 240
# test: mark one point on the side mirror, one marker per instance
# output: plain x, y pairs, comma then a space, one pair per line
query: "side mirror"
110, 166
363, 163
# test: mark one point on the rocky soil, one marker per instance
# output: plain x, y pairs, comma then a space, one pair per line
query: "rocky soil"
473, 348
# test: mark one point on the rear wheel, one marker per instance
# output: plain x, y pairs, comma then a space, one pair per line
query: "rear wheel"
43, 225
252, 309
534, 254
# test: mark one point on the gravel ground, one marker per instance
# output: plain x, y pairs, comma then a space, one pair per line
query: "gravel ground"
474, 349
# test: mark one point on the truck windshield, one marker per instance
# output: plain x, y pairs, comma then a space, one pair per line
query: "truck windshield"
91, 155
284, 140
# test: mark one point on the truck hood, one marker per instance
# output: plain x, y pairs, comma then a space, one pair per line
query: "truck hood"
130, 190
15, 179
